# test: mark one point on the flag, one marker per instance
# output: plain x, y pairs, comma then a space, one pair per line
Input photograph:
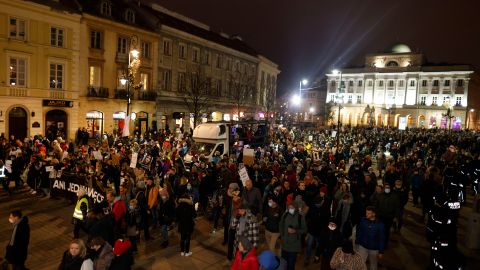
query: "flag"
126, 127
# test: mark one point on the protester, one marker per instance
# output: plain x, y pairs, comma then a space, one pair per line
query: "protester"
246, 257
17, 247
75, 258
80, 213
186, 222
292, 227
370, 238
345, 258
102, 253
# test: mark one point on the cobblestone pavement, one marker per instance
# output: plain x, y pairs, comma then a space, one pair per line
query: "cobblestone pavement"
51, 232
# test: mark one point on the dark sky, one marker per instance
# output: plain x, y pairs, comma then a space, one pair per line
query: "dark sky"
309, 37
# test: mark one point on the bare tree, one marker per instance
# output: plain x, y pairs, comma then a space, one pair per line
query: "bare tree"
242, 89
195, 89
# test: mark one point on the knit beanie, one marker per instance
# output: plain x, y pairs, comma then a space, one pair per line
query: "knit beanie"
247, 246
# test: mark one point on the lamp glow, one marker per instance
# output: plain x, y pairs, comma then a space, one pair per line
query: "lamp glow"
296, 100
135, 53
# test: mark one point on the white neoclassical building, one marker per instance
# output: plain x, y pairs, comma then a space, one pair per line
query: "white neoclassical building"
397, 86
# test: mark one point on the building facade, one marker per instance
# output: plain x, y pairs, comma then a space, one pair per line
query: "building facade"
398, 88
39, 63
66, 63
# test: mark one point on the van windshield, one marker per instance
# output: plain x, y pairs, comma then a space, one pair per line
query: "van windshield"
203, 148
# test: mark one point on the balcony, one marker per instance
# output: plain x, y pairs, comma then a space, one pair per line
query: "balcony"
99, 92
121, 94
147, 95
121, 58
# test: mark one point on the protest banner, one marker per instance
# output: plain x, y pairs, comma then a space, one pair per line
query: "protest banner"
243, 175
69, 184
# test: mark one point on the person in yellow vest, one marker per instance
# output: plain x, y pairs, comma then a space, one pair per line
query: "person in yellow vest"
80, 212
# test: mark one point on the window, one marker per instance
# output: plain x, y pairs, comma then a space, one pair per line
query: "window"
95, 39
56, 76
392, 64
219, 88
237, 66
332, 84
359, 99
390, 83
435, 83
95, 73
412, 83
370, 83
434, 100
350, 83
229, 64
424, 83
400, 83
144, 80
350, 98
167, 47
206, 58
423, 100
17, 28
122, 46
167, 79
106, 8
130, 16
195, 52
145, 49
447, 83
380, 83
460, 83
219, 61
446, 100
458, 101
181, 85
56, 37
18, 72
360, 83
332, 98
182, 51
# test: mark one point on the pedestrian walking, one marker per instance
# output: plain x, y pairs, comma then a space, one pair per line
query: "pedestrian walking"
17, 247
370, 238
246, 257
80, 213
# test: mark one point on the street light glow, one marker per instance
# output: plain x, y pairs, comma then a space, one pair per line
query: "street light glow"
312, 109
123, 81
296, 100
304, 81
472, 110
135, 53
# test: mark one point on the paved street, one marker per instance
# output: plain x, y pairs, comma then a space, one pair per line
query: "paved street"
51, 232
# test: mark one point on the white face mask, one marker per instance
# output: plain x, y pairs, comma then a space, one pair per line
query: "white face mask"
387, 190
291, 211
11, 220
332, 227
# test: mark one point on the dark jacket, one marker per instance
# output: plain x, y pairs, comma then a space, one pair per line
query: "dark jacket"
387, 205
166, 212
17, 253
371, 235
273, 216
254, 199
185, 216
69, 262
329, 242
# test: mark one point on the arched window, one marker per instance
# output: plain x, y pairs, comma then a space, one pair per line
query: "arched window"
106, 8
392, 64
130, 16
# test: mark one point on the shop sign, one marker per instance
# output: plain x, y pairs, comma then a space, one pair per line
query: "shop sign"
119, 115
94, 115
57, 103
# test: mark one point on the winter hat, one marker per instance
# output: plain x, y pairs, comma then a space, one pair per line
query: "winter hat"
268, 260
121, 247
233, 186
245, 242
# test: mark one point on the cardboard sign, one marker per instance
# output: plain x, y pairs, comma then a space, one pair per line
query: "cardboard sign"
243, 175
98, 155
334, 133
133, 162
48, 168
248, 156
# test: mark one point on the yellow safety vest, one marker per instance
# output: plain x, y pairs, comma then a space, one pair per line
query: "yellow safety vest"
78, 212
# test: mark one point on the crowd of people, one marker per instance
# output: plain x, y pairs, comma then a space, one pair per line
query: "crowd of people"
304, 193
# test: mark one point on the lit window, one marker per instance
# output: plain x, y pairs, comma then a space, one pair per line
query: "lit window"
17, 29
458, 101
95, 75
56, 37
56, 76
144, 80
17, 72
434, 100
423, 100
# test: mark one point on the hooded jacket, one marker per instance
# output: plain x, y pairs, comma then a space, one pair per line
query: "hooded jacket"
185, 216
249, 262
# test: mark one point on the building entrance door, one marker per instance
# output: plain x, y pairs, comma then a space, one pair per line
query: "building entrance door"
17, 123
56, 122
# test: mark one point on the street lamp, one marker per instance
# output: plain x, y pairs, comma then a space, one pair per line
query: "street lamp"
128, 79
449, 115
338, 98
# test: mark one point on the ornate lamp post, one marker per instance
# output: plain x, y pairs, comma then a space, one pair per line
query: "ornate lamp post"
128, 79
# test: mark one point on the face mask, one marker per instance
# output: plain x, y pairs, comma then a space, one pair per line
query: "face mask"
332, 227
11, 221
132, 207
270, 204
387, 190
291, 211
189, 187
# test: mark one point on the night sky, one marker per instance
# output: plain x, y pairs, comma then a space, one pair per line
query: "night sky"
310, 37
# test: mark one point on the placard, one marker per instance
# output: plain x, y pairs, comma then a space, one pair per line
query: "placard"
48, 168
402, 123
243, 175
334, 133
98, 155
133, 162
248, 156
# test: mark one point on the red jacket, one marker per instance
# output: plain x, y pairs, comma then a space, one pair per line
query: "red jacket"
250, 262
